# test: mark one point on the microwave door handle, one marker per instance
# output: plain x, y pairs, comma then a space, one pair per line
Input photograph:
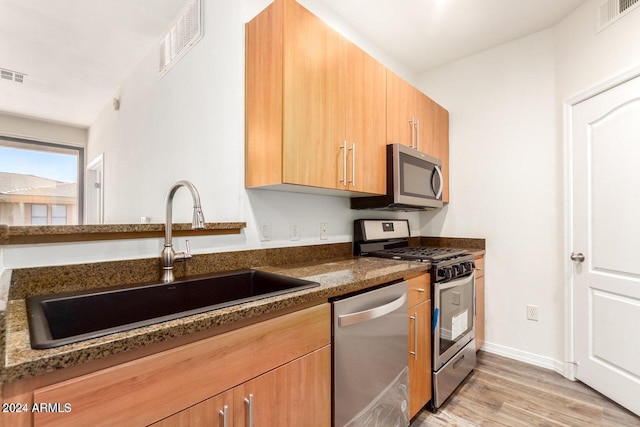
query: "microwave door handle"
439, 192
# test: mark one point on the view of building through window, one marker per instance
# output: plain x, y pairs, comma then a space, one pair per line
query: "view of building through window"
39, 183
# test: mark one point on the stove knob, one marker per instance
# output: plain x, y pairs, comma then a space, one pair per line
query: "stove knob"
466, 267
455, 270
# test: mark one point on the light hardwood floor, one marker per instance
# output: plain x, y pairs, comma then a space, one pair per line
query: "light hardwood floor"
505, 392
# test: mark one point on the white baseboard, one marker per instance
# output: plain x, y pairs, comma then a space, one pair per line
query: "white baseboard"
526, 357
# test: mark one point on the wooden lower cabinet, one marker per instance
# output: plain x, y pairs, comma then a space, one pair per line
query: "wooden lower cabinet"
479, 320
296, 394
419, 344
284, 362
214, 412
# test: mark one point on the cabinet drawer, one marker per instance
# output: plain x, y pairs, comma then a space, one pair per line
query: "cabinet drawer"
479, 266
419, 289
149, 389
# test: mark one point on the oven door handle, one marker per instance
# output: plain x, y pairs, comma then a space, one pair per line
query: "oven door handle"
373, 313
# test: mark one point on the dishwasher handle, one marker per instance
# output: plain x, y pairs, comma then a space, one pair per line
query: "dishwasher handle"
373, 313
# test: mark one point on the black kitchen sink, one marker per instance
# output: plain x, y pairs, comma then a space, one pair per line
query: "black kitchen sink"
65, 318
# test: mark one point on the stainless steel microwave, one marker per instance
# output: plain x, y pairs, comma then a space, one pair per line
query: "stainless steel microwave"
414, 182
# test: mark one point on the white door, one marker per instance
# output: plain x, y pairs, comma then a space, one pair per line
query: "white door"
605, 148
94, 192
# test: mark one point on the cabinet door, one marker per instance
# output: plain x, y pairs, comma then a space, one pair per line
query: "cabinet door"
441, 144
479, 320
419, 356
295, 394
424, 125
214, 412
314, 101
366, 122
401, 110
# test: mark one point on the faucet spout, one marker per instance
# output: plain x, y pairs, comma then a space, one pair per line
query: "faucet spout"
169, 256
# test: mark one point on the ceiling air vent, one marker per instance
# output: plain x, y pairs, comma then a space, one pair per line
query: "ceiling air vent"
11, 75
185, 31
610, 11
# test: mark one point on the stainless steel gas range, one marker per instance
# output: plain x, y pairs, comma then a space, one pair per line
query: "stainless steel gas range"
453, 290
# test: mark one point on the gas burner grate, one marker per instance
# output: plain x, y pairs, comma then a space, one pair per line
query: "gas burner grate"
422, 252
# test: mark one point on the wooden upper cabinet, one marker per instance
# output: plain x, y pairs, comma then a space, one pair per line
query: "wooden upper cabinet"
401, 110
415, 120
440, 144
366, 123
315, 105
314, 99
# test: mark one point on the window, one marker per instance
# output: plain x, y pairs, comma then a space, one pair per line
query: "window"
58, 215
39, 214
40, 183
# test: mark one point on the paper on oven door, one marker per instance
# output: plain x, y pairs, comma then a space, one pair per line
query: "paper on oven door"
459, 325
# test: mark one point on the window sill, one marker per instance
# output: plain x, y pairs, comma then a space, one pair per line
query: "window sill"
23, 235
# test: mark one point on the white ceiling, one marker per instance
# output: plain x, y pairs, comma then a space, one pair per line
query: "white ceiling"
75, 53
424, 34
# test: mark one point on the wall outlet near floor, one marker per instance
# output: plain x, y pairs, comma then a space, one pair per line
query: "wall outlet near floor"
324, 231
295, 231
532, 312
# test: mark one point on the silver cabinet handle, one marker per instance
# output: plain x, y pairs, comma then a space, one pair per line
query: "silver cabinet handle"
412, 132
249, 402
421, 290
224, 412
374, 313
415, 336
577, 257
439, 192
343, 180
417, 126
353, 164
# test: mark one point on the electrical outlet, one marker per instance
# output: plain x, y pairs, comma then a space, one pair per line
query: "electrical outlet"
295, 231
266, 232
324, 231
532, 312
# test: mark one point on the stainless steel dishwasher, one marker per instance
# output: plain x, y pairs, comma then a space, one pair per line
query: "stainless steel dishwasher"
370, 359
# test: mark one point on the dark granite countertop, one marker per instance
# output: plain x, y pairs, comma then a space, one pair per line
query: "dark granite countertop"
336, 277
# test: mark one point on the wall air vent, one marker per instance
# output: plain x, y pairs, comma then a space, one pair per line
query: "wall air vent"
185, 31
11, 75
609, 11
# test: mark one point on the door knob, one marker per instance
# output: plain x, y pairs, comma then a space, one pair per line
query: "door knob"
577, 257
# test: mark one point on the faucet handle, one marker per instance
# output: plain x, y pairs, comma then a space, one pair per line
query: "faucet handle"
182, 256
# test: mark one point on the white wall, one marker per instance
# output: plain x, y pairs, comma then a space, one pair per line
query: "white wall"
586, 59
507, 166
190, 125
505, 161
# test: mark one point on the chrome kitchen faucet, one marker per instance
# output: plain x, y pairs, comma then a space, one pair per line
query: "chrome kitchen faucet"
168, 255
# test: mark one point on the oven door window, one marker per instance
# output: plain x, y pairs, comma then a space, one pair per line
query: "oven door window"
455, 312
